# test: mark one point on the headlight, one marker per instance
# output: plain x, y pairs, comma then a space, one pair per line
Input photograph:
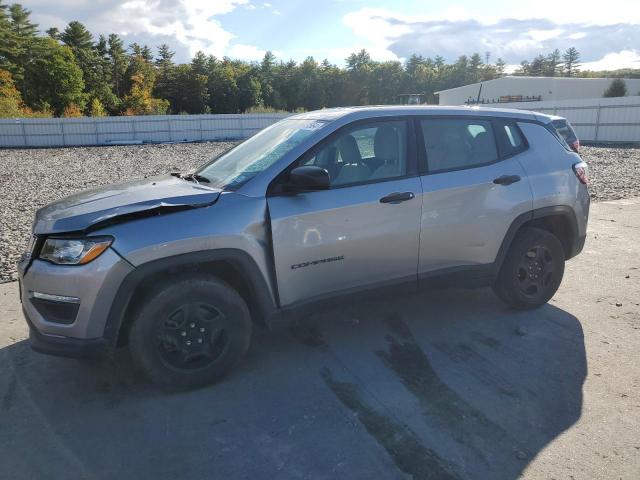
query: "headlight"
74, 251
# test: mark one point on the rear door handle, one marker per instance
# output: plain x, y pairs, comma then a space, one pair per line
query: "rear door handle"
397, 197
507, 179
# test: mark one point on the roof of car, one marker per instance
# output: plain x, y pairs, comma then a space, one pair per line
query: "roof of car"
330, 114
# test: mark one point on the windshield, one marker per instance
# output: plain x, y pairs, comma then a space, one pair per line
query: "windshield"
239, 165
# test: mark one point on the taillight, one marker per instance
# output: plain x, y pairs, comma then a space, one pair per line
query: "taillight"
581, 169
575, 146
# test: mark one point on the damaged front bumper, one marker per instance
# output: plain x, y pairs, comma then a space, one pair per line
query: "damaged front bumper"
67, 306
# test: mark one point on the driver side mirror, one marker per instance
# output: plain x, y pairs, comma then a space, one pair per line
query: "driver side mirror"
309, 177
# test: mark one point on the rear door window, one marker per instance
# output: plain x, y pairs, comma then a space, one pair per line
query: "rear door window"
454, 143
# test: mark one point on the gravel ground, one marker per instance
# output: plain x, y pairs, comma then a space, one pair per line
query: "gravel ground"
32, 178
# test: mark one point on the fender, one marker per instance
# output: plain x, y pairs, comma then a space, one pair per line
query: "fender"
240, 260
520, 220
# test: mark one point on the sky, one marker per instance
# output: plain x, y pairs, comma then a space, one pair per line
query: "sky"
607, 34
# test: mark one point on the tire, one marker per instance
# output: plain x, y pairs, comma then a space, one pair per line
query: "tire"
532, 270
190, 333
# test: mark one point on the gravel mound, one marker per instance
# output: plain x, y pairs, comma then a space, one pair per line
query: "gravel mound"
32, 178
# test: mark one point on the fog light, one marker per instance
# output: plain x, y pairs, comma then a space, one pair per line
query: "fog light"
56, 308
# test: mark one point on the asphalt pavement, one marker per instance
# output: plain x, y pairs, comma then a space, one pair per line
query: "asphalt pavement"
450, 384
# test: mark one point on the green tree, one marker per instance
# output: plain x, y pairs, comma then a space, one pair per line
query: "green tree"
18, 41
359, 66
118, 61
200, 64
165, 68
223, 89
538, 67
475, 62
571, 62
77, 37
187, 90
554, 67
10, 99
96, 109
386, 78
53, 32
249, 93
53, 78
139, 100
618, 88
267, 72
91, 59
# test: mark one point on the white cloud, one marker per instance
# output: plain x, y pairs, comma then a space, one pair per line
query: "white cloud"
613, 61
186, 25
246, 52
456, 32
190, 22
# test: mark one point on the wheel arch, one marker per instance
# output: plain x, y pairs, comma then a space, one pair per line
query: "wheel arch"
560, 220
233, 266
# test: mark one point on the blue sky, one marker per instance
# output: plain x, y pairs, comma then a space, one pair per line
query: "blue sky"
390, 30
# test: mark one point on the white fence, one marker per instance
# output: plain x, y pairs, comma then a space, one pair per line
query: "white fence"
66, 132
595, 120
615, 120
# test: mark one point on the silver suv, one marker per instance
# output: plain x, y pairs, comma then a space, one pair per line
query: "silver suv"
319, 206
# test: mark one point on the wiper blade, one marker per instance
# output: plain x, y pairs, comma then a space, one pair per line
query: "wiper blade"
193, 177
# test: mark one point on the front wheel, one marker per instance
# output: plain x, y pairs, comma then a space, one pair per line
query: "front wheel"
190, 333
532, 270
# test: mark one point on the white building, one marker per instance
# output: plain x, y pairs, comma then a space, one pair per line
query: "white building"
521, 89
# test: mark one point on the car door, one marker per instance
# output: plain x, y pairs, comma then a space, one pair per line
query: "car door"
361, 232
472, 190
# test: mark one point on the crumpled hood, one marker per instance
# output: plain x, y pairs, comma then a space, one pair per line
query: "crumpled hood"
91, 208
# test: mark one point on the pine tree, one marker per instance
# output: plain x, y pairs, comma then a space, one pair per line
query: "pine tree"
54, 33
146, 54
18, 42
164, 66
200, 63
474, 67
4, 37
618, 88
77, 37
571, 62
118, 61
553, 64
538, 67
165, 57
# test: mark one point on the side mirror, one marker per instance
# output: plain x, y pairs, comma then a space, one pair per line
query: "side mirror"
309, 178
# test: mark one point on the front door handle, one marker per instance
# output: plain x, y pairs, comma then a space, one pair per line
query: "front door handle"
397, 197
507, 179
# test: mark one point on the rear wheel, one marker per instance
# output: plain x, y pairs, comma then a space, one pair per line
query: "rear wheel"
532, 270
190, 333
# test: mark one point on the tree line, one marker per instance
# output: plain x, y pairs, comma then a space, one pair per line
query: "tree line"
71, 73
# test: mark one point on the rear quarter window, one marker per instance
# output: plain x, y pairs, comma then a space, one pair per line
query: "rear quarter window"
510, 138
